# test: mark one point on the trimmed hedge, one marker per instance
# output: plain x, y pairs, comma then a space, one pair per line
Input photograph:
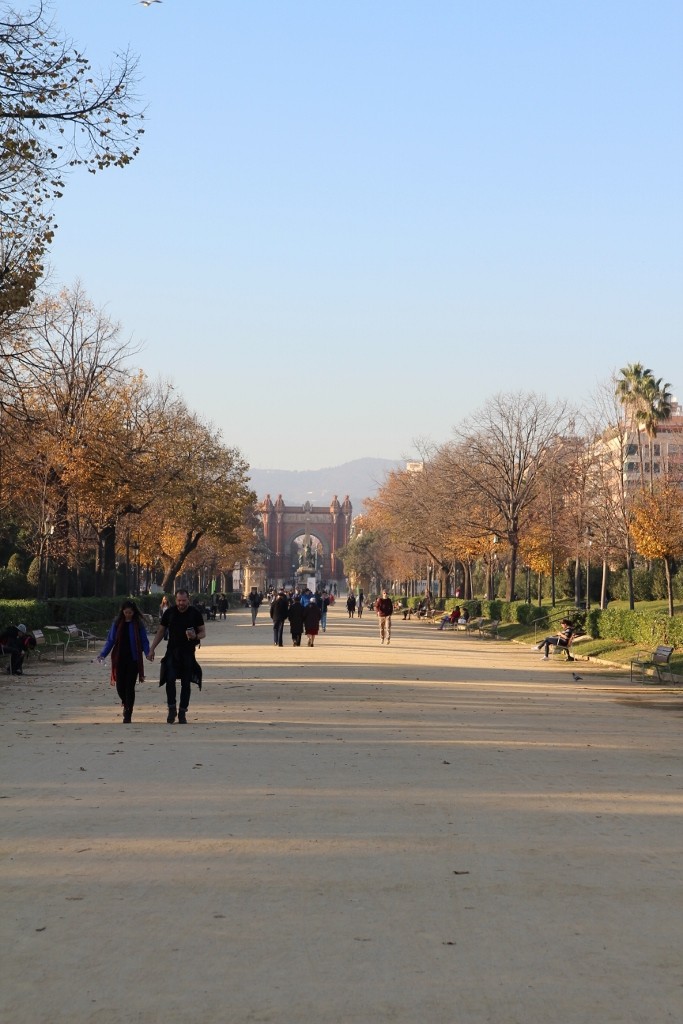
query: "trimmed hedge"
646, 628
84, 611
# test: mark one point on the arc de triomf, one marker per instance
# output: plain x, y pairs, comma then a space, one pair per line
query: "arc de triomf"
284, 525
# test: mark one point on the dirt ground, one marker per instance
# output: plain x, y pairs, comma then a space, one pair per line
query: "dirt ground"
447, 830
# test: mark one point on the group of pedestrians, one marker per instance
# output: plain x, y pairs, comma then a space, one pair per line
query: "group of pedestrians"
354, 606
183, 628
306, 613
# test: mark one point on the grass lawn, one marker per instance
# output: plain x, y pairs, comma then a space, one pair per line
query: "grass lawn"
619, 652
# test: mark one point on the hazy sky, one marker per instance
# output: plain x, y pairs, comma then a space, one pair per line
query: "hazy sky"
352, 222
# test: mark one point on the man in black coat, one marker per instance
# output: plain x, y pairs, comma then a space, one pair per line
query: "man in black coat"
279, 611
296, 620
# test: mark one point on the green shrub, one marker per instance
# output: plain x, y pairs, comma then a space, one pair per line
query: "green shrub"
493, 609
643, 585
593, 623
83, 611
473, 607
34, 614
645, 629
15, 563
14, 585
529, 613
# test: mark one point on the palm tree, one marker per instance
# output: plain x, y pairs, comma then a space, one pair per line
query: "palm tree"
657, 410
634, 390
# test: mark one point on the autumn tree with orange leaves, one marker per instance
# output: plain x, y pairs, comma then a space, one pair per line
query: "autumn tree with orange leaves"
657, 528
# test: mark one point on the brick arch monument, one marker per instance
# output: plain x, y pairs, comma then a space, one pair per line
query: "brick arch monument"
283, 524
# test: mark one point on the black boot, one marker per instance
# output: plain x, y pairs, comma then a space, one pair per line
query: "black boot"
127, 715
182, 717
171, 716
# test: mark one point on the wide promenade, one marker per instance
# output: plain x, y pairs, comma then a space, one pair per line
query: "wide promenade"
448, 830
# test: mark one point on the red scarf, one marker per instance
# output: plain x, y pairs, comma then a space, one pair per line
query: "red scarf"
117, 647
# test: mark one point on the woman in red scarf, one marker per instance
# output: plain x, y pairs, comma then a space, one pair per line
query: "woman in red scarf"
127, 641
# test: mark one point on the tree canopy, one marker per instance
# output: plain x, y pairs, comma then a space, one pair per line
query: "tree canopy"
56, 113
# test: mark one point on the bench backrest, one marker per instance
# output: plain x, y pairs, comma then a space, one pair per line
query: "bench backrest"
662, 655
52, 636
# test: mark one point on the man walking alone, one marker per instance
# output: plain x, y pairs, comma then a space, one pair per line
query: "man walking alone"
384, 607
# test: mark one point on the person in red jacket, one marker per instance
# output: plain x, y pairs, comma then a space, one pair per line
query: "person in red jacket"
384, 607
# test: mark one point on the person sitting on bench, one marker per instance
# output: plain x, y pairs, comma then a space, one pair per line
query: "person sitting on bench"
452, 617
561, 640
13, 641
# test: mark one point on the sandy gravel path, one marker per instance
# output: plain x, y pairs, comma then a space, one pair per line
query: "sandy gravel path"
446, 831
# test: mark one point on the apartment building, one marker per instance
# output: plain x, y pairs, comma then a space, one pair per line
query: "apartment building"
661, 456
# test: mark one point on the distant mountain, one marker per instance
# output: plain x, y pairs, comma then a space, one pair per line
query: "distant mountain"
360, 479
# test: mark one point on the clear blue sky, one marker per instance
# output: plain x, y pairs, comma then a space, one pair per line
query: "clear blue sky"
351, 223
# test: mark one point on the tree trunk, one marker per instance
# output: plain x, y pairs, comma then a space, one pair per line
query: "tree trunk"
172, 566
105, 580
577, 582
513, 570
552, 579
669, 588
629, 577
603, 585
443, 581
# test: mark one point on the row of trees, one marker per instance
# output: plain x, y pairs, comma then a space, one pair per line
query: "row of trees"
529, 483
96, 457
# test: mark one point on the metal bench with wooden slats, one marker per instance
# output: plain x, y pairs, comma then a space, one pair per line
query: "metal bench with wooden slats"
53, 639
659, 660
81, 638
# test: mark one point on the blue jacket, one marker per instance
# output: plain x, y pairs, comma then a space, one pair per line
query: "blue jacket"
111, 639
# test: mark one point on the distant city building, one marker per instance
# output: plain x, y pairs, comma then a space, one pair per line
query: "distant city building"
651, 459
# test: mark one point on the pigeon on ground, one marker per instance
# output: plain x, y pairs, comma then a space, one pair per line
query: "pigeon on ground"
577, 679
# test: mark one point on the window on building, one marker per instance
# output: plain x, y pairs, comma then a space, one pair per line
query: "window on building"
655, 466
656, 449
632, 449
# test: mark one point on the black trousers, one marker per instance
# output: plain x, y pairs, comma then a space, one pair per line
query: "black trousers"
16, 656
126, 678
179, 665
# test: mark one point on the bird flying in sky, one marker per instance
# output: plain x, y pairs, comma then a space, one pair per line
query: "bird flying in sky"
148, 3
